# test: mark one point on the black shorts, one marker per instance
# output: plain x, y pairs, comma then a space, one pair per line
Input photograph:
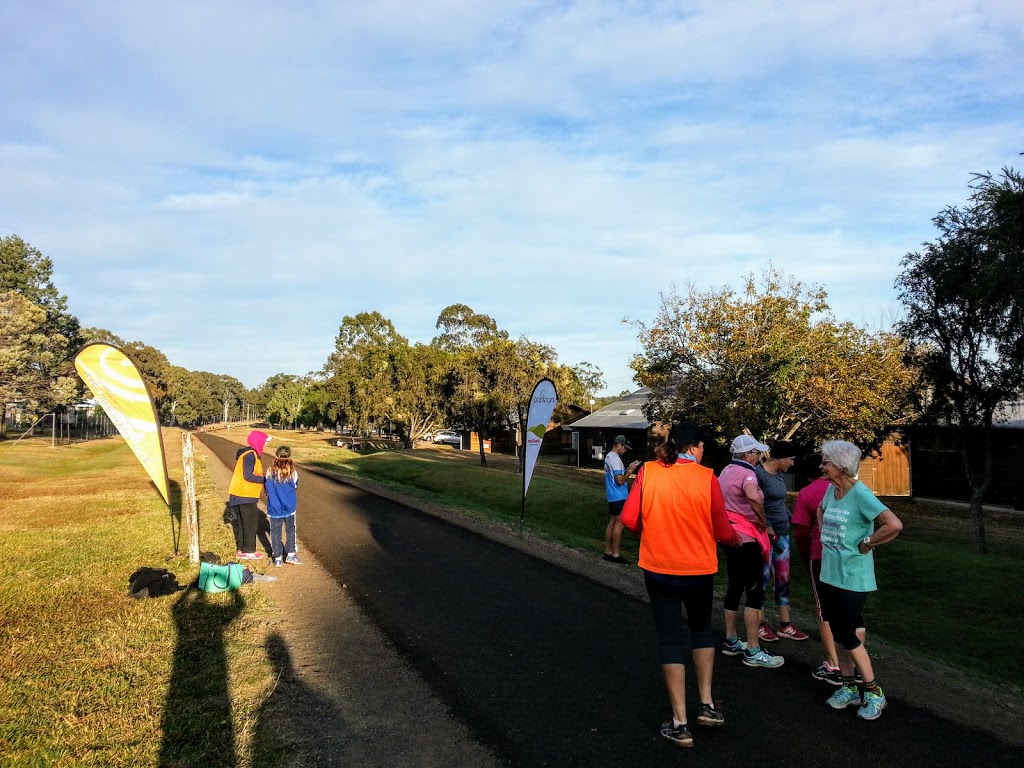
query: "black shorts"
615, 507
843, 609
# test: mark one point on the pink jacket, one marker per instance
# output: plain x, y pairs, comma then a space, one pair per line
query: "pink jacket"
747, 528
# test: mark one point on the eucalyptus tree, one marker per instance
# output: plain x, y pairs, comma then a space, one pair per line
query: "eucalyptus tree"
47, 379
358, 376
27, 357
492, 376
963, 296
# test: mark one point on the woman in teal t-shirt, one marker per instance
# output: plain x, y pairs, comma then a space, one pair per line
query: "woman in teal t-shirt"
852, 522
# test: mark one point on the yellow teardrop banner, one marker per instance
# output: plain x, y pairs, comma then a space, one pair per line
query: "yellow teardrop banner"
118, 386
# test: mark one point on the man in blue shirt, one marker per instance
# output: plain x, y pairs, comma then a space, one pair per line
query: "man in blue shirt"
616, 490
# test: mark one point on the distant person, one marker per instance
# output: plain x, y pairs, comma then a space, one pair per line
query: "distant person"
744, 505
772, 481
847, 516
282, 500
807, 538
676, 506
244, 492
616, 490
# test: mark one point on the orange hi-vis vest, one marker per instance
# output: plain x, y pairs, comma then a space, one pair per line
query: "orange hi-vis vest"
241, 487
678, 537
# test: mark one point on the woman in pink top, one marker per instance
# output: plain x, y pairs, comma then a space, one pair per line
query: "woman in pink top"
808, 541
744, 506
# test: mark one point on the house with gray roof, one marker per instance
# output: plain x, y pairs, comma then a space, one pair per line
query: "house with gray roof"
596, 433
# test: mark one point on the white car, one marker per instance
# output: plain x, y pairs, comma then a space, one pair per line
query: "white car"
449, 436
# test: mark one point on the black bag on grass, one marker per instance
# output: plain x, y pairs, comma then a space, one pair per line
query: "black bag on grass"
152, 582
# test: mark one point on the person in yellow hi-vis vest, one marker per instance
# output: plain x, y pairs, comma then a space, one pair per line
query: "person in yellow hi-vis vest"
244, 493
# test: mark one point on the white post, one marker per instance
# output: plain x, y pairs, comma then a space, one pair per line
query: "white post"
191, 514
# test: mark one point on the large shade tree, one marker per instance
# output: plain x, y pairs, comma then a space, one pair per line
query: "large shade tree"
47, 380
492, 376
375, 376
358, 375
963, 295
27, 358
770, 359
416, 396
286, 398
187, 400
481, 356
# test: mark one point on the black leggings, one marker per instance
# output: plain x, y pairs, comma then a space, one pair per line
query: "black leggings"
844, 612
697, 594
249, 516
746, 570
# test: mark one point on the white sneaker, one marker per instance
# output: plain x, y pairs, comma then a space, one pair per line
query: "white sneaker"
761, 658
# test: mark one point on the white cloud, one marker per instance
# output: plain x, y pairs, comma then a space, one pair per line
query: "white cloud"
246, 162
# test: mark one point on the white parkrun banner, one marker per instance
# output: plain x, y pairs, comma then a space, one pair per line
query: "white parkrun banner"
542, 405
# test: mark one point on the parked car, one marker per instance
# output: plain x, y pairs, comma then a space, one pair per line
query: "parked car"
449, 436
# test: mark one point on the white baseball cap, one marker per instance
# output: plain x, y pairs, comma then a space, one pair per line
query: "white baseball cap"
744, 443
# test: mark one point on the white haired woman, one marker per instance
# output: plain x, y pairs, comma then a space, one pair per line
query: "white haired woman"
853, 522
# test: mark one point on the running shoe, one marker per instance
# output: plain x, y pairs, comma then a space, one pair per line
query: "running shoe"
761, 658
679, 735
293, 559
844, 697
278, 562
828, 674
791, 633
710, 716
616, 559
871, 708
733, 646
250, 556
765, 633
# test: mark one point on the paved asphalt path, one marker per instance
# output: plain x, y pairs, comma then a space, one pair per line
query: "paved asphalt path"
547, 668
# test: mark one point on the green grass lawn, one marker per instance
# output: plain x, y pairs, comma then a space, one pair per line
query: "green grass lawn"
91, 676
937, 596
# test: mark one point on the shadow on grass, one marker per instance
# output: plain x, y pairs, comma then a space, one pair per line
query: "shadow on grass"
174, 495
197, 725
290, 729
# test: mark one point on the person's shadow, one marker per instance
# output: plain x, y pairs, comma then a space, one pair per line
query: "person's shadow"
290, 724
197, 725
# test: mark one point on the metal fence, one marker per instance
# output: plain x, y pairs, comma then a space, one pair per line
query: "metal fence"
60, 428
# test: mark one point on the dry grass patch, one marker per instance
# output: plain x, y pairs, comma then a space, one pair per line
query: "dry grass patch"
92, 677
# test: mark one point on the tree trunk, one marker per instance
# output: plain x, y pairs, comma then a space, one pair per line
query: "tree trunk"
480, 441
978, 479
978, 515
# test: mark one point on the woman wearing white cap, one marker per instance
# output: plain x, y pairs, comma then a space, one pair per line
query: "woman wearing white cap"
744, 505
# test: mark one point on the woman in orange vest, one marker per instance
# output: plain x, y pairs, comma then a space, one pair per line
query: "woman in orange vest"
244, 492
677, 508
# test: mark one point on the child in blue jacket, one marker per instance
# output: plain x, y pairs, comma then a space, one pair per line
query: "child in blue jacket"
282, 499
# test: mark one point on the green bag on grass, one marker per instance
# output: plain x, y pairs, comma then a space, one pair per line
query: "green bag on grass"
220, 578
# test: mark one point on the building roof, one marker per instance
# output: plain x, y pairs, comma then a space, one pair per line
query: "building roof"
626, 413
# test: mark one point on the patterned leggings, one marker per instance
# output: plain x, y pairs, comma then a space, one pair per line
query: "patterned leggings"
780, 565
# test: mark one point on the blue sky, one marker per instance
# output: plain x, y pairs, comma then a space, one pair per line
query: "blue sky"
226, 181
